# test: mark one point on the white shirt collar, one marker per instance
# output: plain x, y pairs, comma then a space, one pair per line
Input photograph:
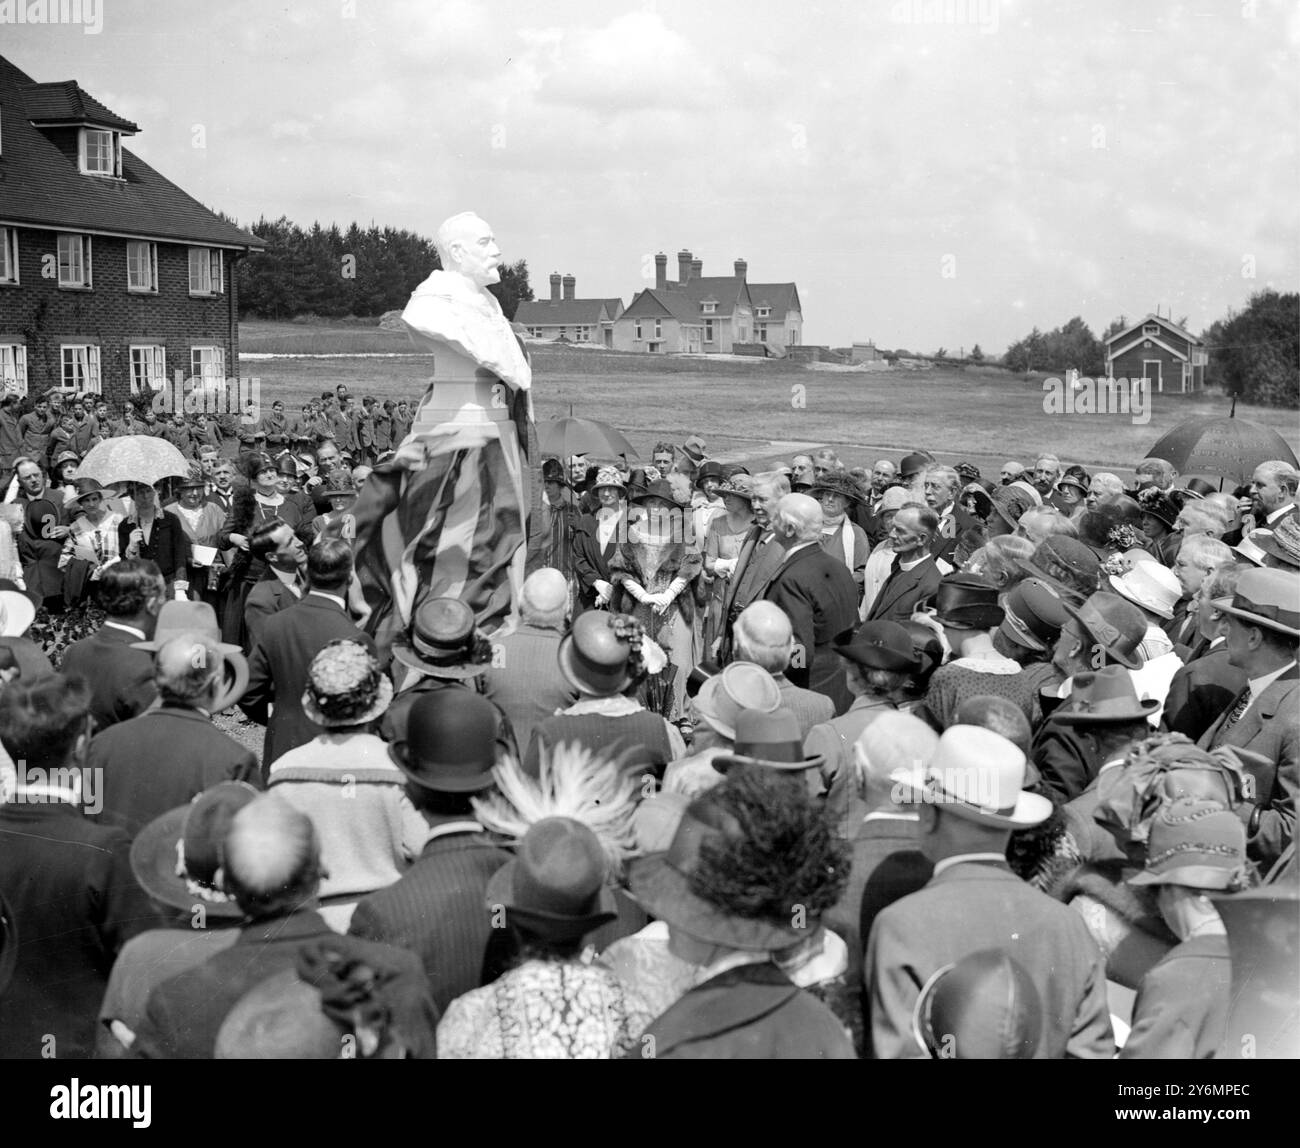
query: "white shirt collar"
1279, 513
1259, 685
885, 815
949, 862
129, 629
332, 597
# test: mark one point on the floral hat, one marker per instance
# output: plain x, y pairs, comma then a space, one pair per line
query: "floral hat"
345, 686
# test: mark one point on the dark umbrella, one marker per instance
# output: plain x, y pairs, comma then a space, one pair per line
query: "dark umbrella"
1229, 448
569, 436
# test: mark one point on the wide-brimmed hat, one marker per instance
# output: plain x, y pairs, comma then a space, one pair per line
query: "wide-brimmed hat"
1115, 625
1198, 844
659, 488
66, 456
837, 482
16, 613
968, 472
983, 1007
967, 601
555, 885
1102, 696
345, 686
661, 883
1284, 543
879, 646
176, 857
1009, 503
1268, 598
592, 656
1162, 504
1033, 614
740, 686
609, 476
771, 740
83, 487
443, 641
183, 617
450, 744
694, 449
1069, 554
194, 480
739, 485
1028, 489
339, 483
1150, 585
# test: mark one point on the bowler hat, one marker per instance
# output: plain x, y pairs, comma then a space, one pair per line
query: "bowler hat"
879, 646
593, 658
914, 463
1198, 487
967, 601
1198, 844
1284, 543
1150, 585
1117, 627
837, 482
771, 740
450, 744
1106, 695
983, 1007
555, 885
1268, 598
443, 642
1033, 615
740, 686
345, 686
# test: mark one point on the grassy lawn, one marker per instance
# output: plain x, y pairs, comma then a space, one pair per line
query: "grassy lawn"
757, 411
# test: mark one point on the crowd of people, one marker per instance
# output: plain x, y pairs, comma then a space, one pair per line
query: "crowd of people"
815, 762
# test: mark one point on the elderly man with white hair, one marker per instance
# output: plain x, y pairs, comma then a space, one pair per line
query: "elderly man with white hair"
522, 679
942, 485
819, 596
764, 636
1102, 485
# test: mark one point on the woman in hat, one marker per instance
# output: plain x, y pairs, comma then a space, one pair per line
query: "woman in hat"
149, 531
92, 543
706, 502
1000, 560
1070, 496
1159, 514
63, 470
339, 521
654, 570
595, 537
202, 521
841, 536
722, 542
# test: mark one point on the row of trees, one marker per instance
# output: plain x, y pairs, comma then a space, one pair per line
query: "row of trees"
331, 272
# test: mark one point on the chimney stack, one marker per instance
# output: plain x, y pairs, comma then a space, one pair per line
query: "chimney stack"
697, 268
555, 286
742, 268
683, 267
661, 272
569, 284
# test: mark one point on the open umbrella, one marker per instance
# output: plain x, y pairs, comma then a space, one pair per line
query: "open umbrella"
1229, 448
133, 458
564, 437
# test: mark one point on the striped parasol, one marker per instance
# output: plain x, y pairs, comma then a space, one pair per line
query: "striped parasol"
133, 458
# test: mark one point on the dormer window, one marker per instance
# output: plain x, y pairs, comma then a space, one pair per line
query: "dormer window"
101, 152
1151, 329
763, 312
709, 308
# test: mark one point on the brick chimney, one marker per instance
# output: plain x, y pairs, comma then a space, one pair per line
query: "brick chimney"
569, 285
683, 266
742, 269
661, 271
555, 286
697, 268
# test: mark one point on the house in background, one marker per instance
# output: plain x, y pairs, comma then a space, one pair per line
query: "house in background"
1157, 349
112, 278
564, 317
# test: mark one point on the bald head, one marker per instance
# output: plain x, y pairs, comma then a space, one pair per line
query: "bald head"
544, 598
894, 741
187, 670
798, 520
763, 635
271, 857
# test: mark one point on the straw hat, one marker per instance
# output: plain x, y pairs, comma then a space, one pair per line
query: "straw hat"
1150, 585
1268, 598
740, 686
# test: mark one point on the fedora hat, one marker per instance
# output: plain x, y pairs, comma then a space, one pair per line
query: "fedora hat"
443, 641
84, 487
694, 449
740, 686
879, 646
1196, 843
16, 613
771, 740
983, 1007
450, 744
555, 885
837, 482
1117, 626
183, 617
1284, 543
967, 602
593, 658
1106, 695
1033, 614
177, 856
345, 686
609, 476
1150, 585
979, 776
1268, 598
739, 485
1251, 547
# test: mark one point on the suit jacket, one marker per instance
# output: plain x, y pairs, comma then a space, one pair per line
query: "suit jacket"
590, 559
756, 562
277, 670
971, 906
808, 706
943, 547
834, 741
1067, 763
75, 903
820, 598
748, 1013
121, 678
904, 590
1270, 727
1181, 1009
168, 543
163, 759
1201, 691
267, 597
524, 681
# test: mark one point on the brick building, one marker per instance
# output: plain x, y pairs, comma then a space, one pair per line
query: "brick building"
112, 278
563, 316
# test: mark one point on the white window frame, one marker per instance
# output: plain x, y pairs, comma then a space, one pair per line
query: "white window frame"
582, 334
207, 269
13, 369
763, 312
148, 367
149, 264
659, 328
708, 331
113, 156
762, 332
85, 264
205, 371
83, 359
8, 255
709, 308
638, 329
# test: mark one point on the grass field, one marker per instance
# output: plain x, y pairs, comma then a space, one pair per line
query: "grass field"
760, 411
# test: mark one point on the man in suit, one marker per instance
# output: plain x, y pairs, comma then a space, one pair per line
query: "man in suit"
1272, 494
522, 678
942, 485
279, 547
277, 673
43, 531
1208, 683
759, 557
436, 909
67, 880
914, 578
763, 635
121, 677
817, 593
1263, 634
971, 800
170, 754
1198, 557
273, 870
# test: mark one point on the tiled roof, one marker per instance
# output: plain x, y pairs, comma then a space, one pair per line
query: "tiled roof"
651, 303
542, 312
41, 187
64, 101
781, 297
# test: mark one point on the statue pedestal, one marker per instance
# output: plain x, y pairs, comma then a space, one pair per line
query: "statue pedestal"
461, 393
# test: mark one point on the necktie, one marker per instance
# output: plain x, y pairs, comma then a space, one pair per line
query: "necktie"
1239, 710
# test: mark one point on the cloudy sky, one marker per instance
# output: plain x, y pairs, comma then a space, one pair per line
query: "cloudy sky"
929, 174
